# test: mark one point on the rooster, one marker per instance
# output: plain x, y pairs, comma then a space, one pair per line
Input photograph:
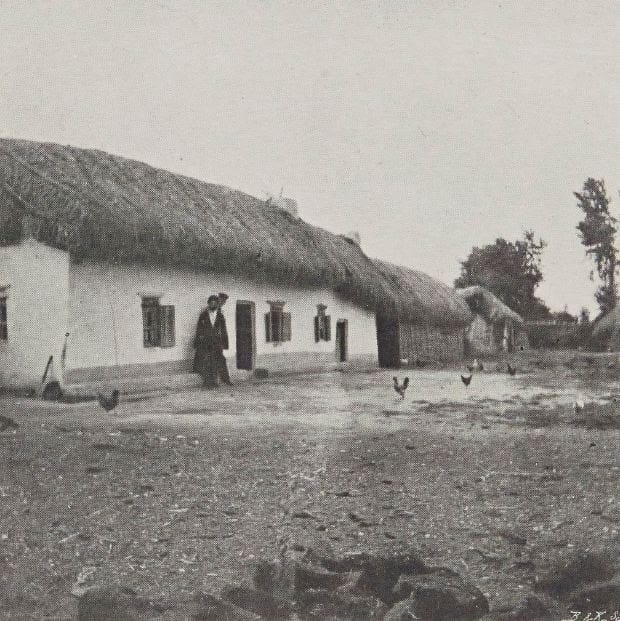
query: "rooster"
401, 388
109, 403
7, 423
511, 370
466, 379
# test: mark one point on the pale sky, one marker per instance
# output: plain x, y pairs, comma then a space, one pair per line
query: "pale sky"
429, 126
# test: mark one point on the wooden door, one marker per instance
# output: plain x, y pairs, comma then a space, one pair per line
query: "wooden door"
388, 340
245, 324
342, 337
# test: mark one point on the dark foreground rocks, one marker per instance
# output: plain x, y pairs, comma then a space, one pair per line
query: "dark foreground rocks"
307, 584
311, 584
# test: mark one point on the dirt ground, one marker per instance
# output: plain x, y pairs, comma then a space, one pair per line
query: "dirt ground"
182, 491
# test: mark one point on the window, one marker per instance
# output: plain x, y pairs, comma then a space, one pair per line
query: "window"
4, 334
157, 323
322, 324
277, 323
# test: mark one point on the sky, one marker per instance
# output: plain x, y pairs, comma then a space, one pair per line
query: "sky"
429, 126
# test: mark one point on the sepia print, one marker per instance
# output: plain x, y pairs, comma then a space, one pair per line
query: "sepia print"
308, 310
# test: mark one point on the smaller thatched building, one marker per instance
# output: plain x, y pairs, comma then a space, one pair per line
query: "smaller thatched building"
606, 332
431, 327
495, 327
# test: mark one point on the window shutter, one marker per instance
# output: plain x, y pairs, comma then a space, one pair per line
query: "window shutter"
286, 327
268, 335
317, 329
166, 326
150, 322
328, 327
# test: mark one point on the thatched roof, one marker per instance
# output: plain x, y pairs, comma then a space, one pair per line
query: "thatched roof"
488, 305
104, 207
429, 299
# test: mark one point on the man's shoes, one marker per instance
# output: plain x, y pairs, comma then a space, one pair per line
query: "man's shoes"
228, 383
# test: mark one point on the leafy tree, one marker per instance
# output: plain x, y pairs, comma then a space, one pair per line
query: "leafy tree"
510, 270
598, 233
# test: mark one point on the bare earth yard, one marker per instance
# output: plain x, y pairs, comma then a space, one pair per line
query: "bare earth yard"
177, 492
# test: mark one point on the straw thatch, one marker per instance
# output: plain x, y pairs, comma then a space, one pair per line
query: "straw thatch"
104, 207
429, 299
606, 331
484, 303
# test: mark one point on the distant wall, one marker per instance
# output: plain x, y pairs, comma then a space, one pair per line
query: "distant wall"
106, 320
36, 282
558, 335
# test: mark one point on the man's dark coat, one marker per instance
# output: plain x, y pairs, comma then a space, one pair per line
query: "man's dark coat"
210, 340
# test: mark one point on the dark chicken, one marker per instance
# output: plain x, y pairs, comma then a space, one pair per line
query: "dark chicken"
401, 388
109, 403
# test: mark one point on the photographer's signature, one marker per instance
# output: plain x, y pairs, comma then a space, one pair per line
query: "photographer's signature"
599, 615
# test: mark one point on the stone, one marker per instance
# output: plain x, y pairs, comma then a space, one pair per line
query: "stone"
276, 578
378, 574
115, 603
323, 604
438, 596
258, 602
310, 577
317, 551
407, 583
601, 596
529, 608
205, 607
574, 570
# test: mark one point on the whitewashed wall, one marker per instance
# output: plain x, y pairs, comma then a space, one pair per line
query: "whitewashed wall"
37, 280
106, 316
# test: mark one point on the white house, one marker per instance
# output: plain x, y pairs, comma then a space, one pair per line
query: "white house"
106, 264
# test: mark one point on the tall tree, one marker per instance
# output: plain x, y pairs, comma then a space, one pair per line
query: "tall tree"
510, 270
598, 234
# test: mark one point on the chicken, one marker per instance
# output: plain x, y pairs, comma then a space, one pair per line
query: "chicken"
466, 379
109, 403
7, 423
401, 388
511, 370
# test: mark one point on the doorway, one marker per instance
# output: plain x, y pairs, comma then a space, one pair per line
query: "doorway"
388, 340
245, 328
342, 338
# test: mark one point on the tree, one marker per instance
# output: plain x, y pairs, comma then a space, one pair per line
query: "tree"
598, 234
510, 270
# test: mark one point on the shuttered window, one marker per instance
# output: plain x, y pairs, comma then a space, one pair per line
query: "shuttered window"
4, 333
322, 325
277, 324
158, 328
166, 326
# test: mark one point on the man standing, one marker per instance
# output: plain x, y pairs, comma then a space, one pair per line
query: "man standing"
210, 341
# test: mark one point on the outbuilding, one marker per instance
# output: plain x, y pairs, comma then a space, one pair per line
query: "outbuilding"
495, 327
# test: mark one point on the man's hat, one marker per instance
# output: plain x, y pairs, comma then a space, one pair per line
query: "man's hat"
222, 298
